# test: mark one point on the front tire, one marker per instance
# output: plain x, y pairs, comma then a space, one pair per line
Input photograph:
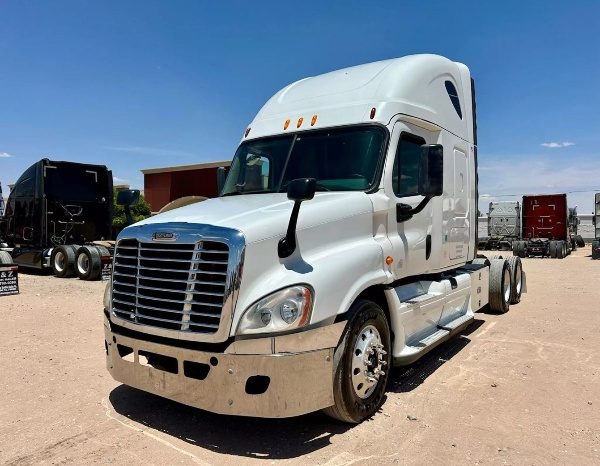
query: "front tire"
361, 364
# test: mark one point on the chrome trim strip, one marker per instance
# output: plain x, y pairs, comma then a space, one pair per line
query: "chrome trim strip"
188, 233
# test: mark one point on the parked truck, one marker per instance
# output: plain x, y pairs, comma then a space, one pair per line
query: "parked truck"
59, 216
343, 243
547, 227
504, 226
596, 220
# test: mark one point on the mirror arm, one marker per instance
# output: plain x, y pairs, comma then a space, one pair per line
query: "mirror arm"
403, 213
287, 244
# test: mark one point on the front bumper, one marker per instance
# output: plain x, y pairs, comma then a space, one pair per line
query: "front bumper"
266, 377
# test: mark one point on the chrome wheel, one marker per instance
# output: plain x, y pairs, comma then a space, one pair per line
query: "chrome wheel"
507, 285
367, 361
60, 261
83, 264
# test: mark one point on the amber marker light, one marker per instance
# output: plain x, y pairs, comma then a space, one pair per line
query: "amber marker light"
247, 132
313, 120
372, 113
286, 124
300, 120
389, 260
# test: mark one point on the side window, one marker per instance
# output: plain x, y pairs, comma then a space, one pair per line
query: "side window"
405, 176
453, 94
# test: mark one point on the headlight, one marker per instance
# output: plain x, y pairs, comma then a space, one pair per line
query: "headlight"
108, 295
283, 310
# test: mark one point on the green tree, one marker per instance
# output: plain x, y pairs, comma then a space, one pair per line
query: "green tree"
139, 211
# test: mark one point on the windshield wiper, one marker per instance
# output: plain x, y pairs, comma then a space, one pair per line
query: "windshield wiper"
237, 193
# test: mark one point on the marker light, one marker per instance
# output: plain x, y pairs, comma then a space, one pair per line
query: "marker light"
300, 120
247, 132
286, 124
313, 120
372, 113
389, 260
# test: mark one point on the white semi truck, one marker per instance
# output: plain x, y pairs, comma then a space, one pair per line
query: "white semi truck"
343, 243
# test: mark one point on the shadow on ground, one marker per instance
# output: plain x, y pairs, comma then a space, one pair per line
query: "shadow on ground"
265, 438
231, 435
407, 378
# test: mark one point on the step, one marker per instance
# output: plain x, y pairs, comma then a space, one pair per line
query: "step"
433, 338
454, 324
421, 298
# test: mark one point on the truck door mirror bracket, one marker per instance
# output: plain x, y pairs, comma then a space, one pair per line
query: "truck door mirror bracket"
302, 189
405, 212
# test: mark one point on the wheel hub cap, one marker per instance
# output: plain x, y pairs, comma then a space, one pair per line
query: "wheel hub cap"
367, 361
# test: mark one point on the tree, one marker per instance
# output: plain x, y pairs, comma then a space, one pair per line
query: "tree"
139, 211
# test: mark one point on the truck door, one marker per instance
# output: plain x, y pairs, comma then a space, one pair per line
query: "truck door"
416, 242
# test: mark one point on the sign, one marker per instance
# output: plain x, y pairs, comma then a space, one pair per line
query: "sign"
9, 280
106, 270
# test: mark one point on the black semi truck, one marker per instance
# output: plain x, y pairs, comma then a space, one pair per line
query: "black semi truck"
59, 215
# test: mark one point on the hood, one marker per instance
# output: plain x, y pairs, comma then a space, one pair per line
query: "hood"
262, 216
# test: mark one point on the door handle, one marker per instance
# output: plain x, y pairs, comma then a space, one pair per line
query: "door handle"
427, 247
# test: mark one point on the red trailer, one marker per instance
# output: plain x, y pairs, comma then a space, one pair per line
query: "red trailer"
545, 226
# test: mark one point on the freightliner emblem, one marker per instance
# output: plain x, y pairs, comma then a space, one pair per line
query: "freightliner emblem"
163, 236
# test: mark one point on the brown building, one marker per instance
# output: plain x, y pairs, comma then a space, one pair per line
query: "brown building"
163, 185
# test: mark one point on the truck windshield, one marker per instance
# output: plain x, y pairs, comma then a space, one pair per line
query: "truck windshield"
343, 159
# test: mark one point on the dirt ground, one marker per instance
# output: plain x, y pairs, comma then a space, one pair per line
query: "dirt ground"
519, 388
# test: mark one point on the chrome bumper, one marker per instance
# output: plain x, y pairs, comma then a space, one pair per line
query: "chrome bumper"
266, 377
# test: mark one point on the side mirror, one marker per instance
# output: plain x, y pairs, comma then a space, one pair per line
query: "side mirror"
431, 173
302, 189
128, 197
221, 177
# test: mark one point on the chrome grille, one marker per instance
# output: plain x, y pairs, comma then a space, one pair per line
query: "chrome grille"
173, 286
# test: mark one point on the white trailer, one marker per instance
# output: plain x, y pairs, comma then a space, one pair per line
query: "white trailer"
343, 242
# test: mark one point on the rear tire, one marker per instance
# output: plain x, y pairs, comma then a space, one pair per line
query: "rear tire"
521, 249
62, 261
561, 249
5, 258
516, 273
500, 286
596, 249
553, 249
579, 240
365, 347
88, 264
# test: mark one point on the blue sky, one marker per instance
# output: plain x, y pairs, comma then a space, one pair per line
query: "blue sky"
140, 84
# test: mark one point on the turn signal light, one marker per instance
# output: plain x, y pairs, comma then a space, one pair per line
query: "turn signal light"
300, 120
313, 120
372, 113
286, 124
389, 260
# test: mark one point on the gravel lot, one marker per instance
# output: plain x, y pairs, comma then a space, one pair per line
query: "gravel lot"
519, 388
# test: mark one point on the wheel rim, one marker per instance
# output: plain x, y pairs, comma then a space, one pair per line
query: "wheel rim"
367, 361
83, 263
59, 261
519, 279
507, 285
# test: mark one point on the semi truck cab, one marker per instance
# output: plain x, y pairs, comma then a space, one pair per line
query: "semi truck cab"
343, 242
